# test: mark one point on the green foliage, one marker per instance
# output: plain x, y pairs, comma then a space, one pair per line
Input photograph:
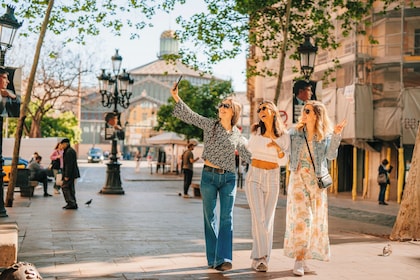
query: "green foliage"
65, 125
11, 127
225, 30
87, 17
201, 99
229, 25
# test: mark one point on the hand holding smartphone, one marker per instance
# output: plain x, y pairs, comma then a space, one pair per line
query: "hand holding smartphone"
177, 82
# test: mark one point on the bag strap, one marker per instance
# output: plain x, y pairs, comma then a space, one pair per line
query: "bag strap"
309, 150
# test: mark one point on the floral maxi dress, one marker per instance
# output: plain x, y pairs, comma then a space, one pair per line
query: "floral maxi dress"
307, 214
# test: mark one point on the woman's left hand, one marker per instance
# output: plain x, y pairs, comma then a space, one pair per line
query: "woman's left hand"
277, 147
339, 127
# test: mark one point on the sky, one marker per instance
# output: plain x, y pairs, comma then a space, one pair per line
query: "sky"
141, 51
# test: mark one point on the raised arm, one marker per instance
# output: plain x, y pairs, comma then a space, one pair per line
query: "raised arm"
174, 92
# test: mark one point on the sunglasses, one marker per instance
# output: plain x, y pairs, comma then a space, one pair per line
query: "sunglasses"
225, 105
263, 108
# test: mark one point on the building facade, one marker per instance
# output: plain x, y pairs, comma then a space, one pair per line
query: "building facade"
151, 89
376, 88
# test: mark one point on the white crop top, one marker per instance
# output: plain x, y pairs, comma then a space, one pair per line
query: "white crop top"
257, 145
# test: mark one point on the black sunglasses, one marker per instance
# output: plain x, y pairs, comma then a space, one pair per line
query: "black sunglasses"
225, 105
263, 108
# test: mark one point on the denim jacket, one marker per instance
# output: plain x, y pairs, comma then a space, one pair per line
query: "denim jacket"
322, 150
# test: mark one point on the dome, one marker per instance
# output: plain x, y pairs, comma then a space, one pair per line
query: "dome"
168, 34
168, 43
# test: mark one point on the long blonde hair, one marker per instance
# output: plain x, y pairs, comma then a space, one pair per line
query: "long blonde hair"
236, 110
323, 125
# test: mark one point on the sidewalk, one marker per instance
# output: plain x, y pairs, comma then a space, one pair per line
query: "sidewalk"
152, 233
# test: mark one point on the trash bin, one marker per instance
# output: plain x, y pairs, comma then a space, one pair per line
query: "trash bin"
196, 189
22, 182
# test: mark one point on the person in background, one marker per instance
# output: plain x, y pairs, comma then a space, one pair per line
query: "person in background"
218, 178
10, 102
268, 143
383, 170
56, 165
113, 129
38, 173
302, 92
187, 167
306, 235
112, 121
137, 156
70, 174
33, 157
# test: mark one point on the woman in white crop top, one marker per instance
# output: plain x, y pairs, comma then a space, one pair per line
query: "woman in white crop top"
269, 142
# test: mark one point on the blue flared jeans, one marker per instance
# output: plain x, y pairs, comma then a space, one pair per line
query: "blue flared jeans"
218, 232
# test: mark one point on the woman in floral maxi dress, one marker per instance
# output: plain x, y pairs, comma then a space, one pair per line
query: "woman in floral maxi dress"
306, 235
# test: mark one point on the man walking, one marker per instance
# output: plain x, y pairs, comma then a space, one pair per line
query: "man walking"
187, 167
70, 174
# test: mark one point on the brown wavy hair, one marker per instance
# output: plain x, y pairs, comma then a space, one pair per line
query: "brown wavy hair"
278, 125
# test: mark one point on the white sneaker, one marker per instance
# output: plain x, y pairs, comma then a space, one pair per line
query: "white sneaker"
306, 268
260, 265
298, 269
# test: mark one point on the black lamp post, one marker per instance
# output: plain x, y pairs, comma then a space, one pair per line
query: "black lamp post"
115, 90
307, 53
8, 27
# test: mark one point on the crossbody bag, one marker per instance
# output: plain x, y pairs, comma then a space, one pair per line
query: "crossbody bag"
324, 181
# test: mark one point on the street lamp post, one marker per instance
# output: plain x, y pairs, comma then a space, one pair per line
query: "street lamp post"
307, 53
8, 27
115, 90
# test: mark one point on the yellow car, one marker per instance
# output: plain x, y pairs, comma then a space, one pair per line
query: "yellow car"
7, 167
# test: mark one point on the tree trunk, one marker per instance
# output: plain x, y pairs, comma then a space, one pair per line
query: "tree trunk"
407, 225
283, 53
24, 106
35, 131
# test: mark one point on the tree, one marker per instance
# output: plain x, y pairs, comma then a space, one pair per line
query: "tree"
24, 105
75, 20
64, 125
56, 87
202, 99
407, 224
228, 26
81, 16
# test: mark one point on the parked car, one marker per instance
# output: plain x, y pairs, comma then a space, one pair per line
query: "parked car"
7, 167
95, 155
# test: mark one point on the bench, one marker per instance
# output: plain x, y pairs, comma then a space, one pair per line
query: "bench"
8, 243
159, 165
26, 186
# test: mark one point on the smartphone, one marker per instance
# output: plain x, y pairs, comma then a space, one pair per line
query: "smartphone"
177, 82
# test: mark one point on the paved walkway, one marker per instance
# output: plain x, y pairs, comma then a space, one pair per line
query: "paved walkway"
152, 233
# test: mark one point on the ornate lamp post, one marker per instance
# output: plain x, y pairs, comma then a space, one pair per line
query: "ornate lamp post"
8, 27
307, 53
115, 90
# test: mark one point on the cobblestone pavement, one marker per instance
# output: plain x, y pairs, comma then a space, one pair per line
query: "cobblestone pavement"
152, 233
